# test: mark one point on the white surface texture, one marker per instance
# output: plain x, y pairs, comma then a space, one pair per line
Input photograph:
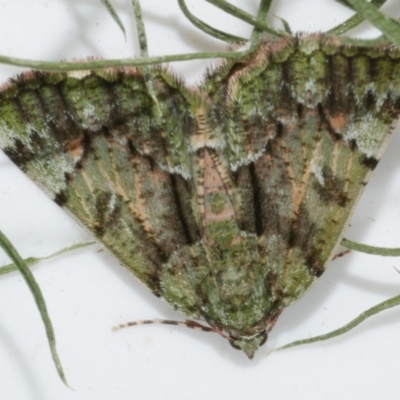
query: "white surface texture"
87, 292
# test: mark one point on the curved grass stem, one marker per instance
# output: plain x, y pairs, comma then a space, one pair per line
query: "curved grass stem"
65, 66
31, 261
364, 248
257, 22
352, 22
39, 299
114, 15
385, 305
207, 29
388, 26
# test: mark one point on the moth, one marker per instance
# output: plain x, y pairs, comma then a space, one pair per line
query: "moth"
229, 199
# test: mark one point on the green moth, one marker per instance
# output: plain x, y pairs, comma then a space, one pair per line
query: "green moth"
226, 200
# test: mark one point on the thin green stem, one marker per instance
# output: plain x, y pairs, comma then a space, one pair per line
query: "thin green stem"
285, 25
388, 26
354, 21
385, 305
250, 19
392, 32
262, 14
378, 251
125, 62
114, 15
39, 299
141, 30
209, 30
29, 262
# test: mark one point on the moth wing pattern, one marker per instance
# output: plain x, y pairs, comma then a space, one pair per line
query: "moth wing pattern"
227, 200
307, 120
94, 142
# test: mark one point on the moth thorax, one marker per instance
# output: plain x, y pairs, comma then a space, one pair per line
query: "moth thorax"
219, 213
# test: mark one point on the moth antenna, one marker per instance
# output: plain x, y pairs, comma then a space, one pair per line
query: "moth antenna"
187, 323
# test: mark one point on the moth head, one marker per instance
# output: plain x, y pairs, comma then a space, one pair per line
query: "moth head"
249, 345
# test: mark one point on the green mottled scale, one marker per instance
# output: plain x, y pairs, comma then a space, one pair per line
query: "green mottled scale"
226, 200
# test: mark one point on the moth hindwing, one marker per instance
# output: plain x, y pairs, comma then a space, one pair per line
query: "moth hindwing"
227, 200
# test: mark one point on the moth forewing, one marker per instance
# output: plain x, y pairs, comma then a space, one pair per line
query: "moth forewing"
357, 281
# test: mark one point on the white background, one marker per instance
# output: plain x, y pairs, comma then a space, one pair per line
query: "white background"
88, 292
